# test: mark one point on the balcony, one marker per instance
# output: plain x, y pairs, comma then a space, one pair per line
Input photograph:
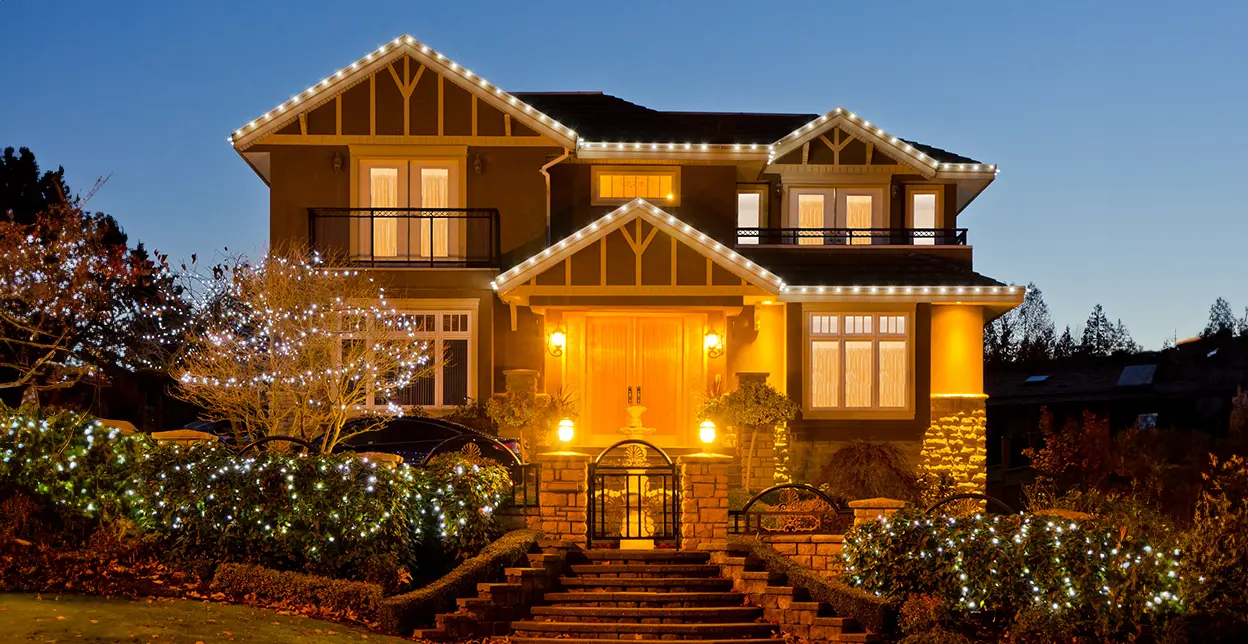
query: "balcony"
407, 237
808, 237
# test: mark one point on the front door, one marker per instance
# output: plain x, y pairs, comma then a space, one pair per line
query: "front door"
656, 359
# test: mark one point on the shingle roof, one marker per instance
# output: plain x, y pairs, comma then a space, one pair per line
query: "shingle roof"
866, 269
602, 117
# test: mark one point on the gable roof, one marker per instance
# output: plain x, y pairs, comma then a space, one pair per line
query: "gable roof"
639, 209
360, 70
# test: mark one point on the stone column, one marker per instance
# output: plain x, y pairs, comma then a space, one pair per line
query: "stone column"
563, 497
867, 510
954, 445
703, 500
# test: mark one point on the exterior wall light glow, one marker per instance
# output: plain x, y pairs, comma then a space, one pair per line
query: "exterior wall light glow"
556, 342
706, 432
714, 343
566, 430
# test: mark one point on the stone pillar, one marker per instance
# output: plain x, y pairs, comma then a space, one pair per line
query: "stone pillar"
954, 446
521, 380
867, 510
703, 500
563, 497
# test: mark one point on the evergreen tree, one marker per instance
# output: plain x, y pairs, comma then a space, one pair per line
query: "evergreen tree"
1241, 326
1065, 346
1170, 342
1221, 319
1098, 334
1035, 325
1122, 342
1001, 339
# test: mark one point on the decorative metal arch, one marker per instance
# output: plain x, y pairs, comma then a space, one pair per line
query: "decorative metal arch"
800, 508
307, 446
990, 500
641, 445
475, 447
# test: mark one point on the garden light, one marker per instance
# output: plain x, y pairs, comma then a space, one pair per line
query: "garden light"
566, 430
706, 432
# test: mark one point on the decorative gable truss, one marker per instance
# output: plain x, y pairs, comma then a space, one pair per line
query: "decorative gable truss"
404, 89
636, 250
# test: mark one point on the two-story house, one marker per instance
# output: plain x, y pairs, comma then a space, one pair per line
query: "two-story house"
621, 253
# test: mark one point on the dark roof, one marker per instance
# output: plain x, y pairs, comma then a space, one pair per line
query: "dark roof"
867, 269
602, 117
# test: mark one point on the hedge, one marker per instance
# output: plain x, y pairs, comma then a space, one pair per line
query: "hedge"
876, 614
401, 614
354, 599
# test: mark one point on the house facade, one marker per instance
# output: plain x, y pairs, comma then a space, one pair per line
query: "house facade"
574, 242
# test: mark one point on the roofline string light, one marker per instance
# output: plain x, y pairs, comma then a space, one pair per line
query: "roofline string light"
867, 289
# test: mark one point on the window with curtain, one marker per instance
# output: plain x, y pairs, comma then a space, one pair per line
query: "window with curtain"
620, 185
435, 188
450, 344
858, 361
749, 214
383, 192
810, 214
858, 210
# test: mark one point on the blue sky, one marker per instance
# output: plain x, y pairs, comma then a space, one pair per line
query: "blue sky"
1119, 127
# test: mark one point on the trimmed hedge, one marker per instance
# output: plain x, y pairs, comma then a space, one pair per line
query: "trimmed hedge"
351, 598
876, 614
401, 614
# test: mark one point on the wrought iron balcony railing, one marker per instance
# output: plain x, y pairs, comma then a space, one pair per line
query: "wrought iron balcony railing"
851, 236
407, 237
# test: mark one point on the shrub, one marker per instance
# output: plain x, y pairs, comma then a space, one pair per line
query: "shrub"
920, 613
1040, 625
935, 636
1215, 568
875, 613
1090, 572
354, 600
403, 613
867, 470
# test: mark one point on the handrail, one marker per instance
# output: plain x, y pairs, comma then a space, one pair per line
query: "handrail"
431, 237
791, 486
633, 441
851, 236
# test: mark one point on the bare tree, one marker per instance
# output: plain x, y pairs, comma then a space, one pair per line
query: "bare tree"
294, 346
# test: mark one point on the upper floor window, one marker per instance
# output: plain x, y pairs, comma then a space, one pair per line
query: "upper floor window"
858, 361
750, 204
614, 185
411, 210
835, 216
925, 213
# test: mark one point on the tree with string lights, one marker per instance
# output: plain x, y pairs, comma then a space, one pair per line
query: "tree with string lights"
296, 346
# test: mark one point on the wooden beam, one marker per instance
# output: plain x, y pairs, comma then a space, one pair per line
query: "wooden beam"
673, 259
303, 123
506, 125
806, 153
474, 114
513, 315
602, 261
709, 267
372, 104
567, 271
338, 114
870, 149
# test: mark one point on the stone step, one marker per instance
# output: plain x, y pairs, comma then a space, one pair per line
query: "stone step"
643, 556
648, 570
641, 599
667, 584
699, 615
727, 630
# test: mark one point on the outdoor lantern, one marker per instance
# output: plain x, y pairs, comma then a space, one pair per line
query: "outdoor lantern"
556, 341
714, 343
566, 429
706, 432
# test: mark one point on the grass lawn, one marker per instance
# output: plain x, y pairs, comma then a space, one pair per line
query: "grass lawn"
76, 618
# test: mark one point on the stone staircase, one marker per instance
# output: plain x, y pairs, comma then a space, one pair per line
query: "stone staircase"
644, 596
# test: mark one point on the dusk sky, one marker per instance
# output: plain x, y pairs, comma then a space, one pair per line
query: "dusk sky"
1119, 127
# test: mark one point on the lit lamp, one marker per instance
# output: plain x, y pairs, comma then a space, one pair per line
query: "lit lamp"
714, 343
706, 432
556, 341
566, 430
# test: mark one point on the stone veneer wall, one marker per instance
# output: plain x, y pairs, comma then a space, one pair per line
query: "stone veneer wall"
763, 462
703, 499
818, 552
955, 443
564, 497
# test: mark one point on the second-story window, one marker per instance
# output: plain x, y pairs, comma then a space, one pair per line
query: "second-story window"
615, 185
750, 204
925, 213
835, 216
409, 211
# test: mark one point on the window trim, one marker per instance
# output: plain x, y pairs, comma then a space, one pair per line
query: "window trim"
925, 189
835, 195
875, 412
647, 170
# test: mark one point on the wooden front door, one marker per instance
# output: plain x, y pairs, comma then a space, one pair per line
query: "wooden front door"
658, 357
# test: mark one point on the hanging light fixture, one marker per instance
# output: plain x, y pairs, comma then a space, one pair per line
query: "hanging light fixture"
556, 341
714, 343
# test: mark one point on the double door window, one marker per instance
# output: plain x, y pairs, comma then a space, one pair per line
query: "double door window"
410, 211
835, 216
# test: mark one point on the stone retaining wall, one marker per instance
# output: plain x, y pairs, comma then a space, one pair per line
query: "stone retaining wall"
818, 552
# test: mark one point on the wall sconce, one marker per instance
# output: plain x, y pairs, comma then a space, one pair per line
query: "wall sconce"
337, 163
566, 430
556, 341
478, 165
714, 343
706, 432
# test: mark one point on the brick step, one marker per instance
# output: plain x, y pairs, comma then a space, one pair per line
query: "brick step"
728, 630
648, 570
699, 615
668, 584
431, 635
577, 640
642, 556
459, 626
643, 599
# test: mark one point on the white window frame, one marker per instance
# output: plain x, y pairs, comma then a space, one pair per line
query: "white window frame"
410, 242
438, 337
760, 216
938, 193
811, 333
835, 210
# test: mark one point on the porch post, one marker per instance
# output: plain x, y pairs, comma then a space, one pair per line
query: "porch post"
563, 497
703, 500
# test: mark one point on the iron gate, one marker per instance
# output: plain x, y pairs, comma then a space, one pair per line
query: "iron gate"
634, 493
